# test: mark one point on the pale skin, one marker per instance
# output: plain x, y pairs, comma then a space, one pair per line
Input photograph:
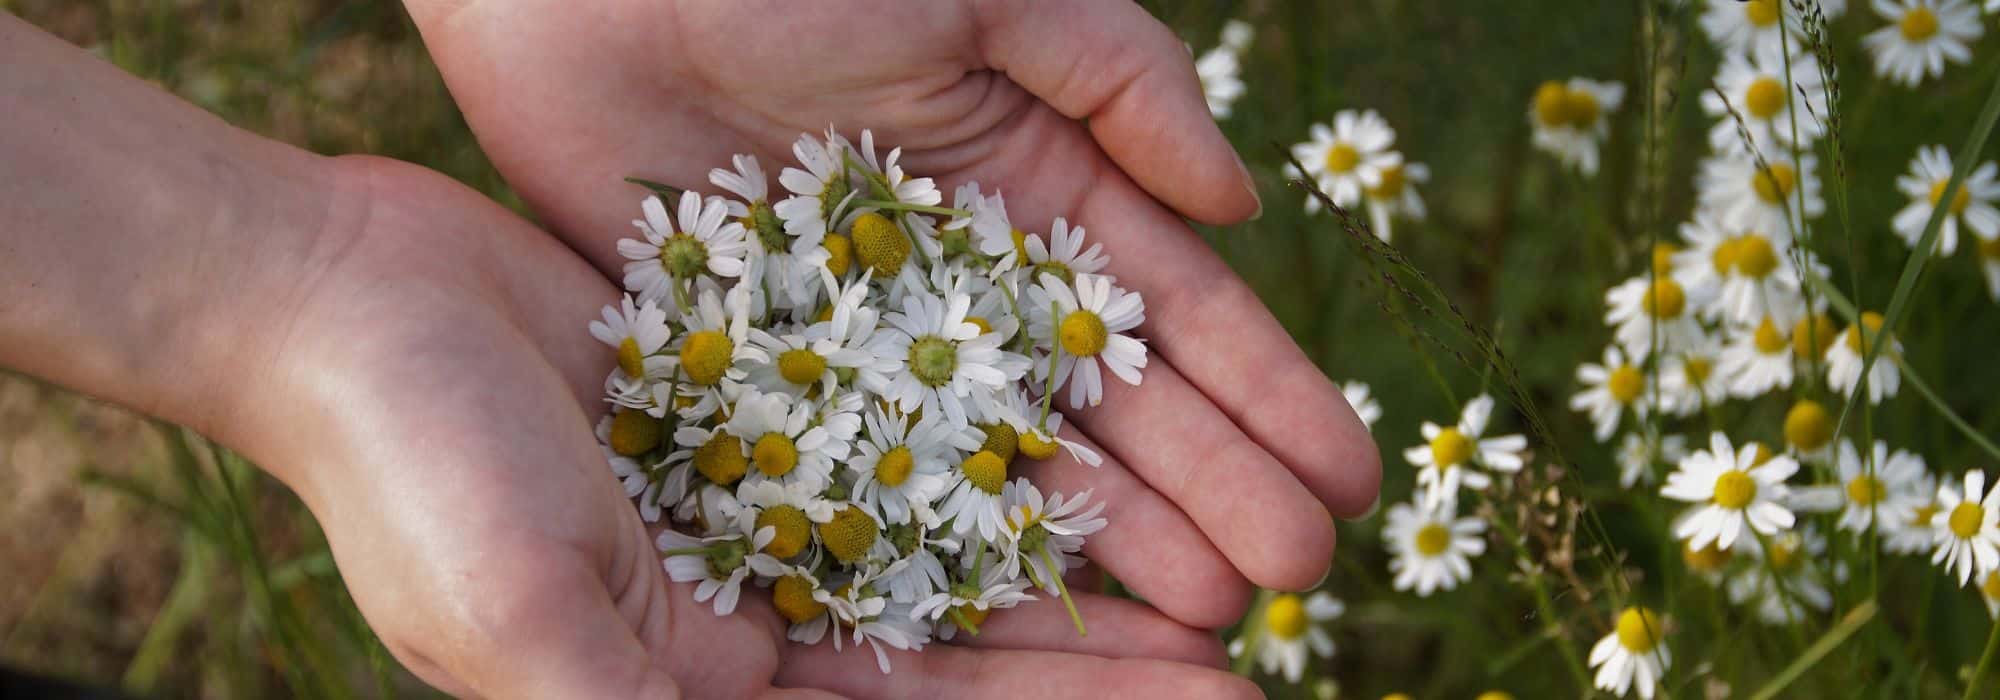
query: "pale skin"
411, 359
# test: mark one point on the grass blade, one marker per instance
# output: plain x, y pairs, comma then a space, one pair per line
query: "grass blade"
1853, 622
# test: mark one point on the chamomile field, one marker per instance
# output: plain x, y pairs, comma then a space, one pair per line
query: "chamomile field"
1672, 322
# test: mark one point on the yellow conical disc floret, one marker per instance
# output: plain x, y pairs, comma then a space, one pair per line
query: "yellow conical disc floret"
1449, 448
630, 359
849, 534
1549, 107
1433, 539
1918, 24
1813, 335
1707, 559
1774, 184
1285, 616
1764, 98
775, 454
801, 366
633, 432
1735, 490
1807, 425
1001, 439
894, 467
706, 355
793, 530
1665, 299
986, 471
1033, 446
1966, 519
1873, 321
1761, 13
839, 253
1083, 333
721, 460
793, 597
1639, 630
879, 245
1341, 157
1625, 384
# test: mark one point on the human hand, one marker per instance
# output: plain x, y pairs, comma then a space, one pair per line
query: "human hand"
1230, 455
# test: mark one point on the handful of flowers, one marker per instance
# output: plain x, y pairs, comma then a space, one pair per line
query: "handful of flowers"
828, 394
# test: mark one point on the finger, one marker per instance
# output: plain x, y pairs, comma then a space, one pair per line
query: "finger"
1146, 535
945, 671
1139, 93
1117, 629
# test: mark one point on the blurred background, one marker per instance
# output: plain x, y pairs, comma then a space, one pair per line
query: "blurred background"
135, 556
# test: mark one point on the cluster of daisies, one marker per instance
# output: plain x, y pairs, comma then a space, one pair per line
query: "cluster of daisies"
828, 391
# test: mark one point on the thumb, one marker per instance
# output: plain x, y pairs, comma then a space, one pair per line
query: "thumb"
1111, 63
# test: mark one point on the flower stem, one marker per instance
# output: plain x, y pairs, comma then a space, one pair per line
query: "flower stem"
904, 206
1985, 662
1063, 590
1250, 634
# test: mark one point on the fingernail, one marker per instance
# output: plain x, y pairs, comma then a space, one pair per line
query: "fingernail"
1370, 513
1250, 184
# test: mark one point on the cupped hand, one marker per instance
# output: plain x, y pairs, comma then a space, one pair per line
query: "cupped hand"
1226, 462
430, 394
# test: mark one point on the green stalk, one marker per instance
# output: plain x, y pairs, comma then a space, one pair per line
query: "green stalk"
1833, 638
1985, 660
1251, 632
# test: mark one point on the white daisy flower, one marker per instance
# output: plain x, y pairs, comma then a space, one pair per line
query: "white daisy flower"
821, 191
795, 593
976, 502
784, 442
1360, 397
870, 619
1632, 655
1765, 200
669, 258
918, 571
935, 360
1741, 277
715, 344
1843, 361
1968, 537
1908, 522
1709, 563
1866, 490
1044, 535
1989, 592
1090, 324
1570, 119
719, 563
1293, 627
1797, 590
1989, 263
1921, 37
637, 480
1930, 171
1432, 548
1739, 26
1641, 309
1064, 255
1395, 195
1688, 379
1755, 86
1217, 68
638, 332
886, 176
1731, 489
1039, 438
905, 462
789, 510
991, 231
1809, 431
970, 602
1757, 360
1637, 454
1609, 390
1347, 158
1448, 458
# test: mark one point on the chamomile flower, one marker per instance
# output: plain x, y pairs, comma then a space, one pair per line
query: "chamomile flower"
785, 443
991, 232
1757, 359
1218, 68
1930, 171
789, 510
719, 563
1731, 490
1740, 26
1765, 199
1637, 454
796, 595
1843, 361
1989, 264
1044, 534
716, 344
1633, 655
976, 503
1570, 119
1809, 430
1293, 628
820, 192
1431, 546
1611, 389
1908, 522
1868, 489
1771, 107
1968, 536
1786, 584
1348, 157
890, 182
1360, 398
1395, 195
1454, 455
971, 603
921, 571
1710, 563
1648, 309
1064, 255
639, 482
638, 332
1688, 378
1090, 325
939, 362
669, 257
1039, 437
1740, 277
1921, 37
904, 462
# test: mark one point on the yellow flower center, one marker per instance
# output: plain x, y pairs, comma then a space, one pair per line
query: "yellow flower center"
879, 245
1874, 323
775, 454
1991, 586
1764, 97
1665, 299
1639, 630
1761, 455
1285, 616
1083, 333
1549, 107
1449, 448
1625, 384
706, 355
1812, 336
1581, 108
793, 597
634, 433
1001, 439
1918, 24
630, 358
1020, 246
1341, 158
1735, 489
793, 530
984, 326
1924, 515
839, 253
1433, 539
1755, 257
1773, 184
1663, 258
1724, 257
1866, 490
1708, 558
1697, 369
801, 366
849, 534
986, 471
1767, 338
1392, 184
1761, 13
721, 460
1990, 250
972, 615
1958, 201
1967, 518
1495, 695
1807, 425
895, 466
1033, 446
1785, 554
